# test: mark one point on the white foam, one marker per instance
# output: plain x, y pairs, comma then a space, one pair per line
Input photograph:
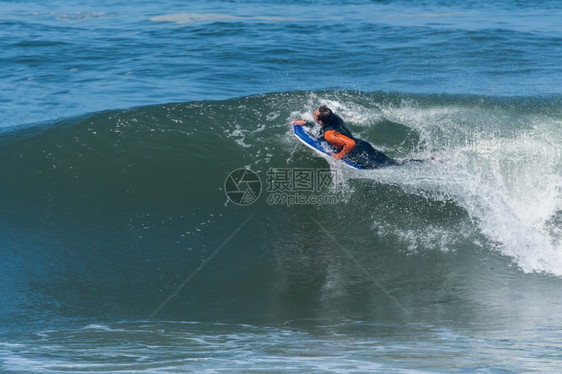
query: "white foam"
504, 170
189, 18
425, 15
501, 165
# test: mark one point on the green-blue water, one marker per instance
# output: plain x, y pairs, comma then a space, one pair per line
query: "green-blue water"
123, 253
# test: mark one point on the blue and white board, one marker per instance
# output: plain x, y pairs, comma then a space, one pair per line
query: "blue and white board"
316, 142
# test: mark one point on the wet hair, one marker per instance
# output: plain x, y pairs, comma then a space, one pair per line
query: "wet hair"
325, 114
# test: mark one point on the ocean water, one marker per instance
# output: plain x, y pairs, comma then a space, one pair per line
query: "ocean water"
158, 216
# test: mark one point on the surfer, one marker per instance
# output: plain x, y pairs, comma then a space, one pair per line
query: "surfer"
348, 147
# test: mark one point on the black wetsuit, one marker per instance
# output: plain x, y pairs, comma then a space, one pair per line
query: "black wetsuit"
363, 154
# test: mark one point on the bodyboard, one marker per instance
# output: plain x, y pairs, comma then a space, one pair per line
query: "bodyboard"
317, 143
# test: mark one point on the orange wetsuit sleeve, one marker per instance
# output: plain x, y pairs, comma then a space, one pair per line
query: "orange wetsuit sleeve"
340, 141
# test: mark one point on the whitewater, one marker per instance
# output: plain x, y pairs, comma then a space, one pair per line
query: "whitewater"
127, 127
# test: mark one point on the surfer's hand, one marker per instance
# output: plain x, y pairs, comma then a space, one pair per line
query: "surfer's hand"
299, 122
338, 156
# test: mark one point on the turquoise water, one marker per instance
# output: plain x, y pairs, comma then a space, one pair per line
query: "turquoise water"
123, 253
63, 59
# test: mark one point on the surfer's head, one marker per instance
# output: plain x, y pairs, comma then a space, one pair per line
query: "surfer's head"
323, 115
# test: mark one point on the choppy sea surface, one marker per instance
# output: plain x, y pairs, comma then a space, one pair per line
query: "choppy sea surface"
132, 242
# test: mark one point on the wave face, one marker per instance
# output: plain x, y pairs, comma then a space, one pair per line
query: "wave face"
110, 213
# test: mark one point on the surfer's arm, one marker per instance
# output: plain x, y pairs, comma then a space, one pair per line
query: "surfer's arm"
342, 142
299, 122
